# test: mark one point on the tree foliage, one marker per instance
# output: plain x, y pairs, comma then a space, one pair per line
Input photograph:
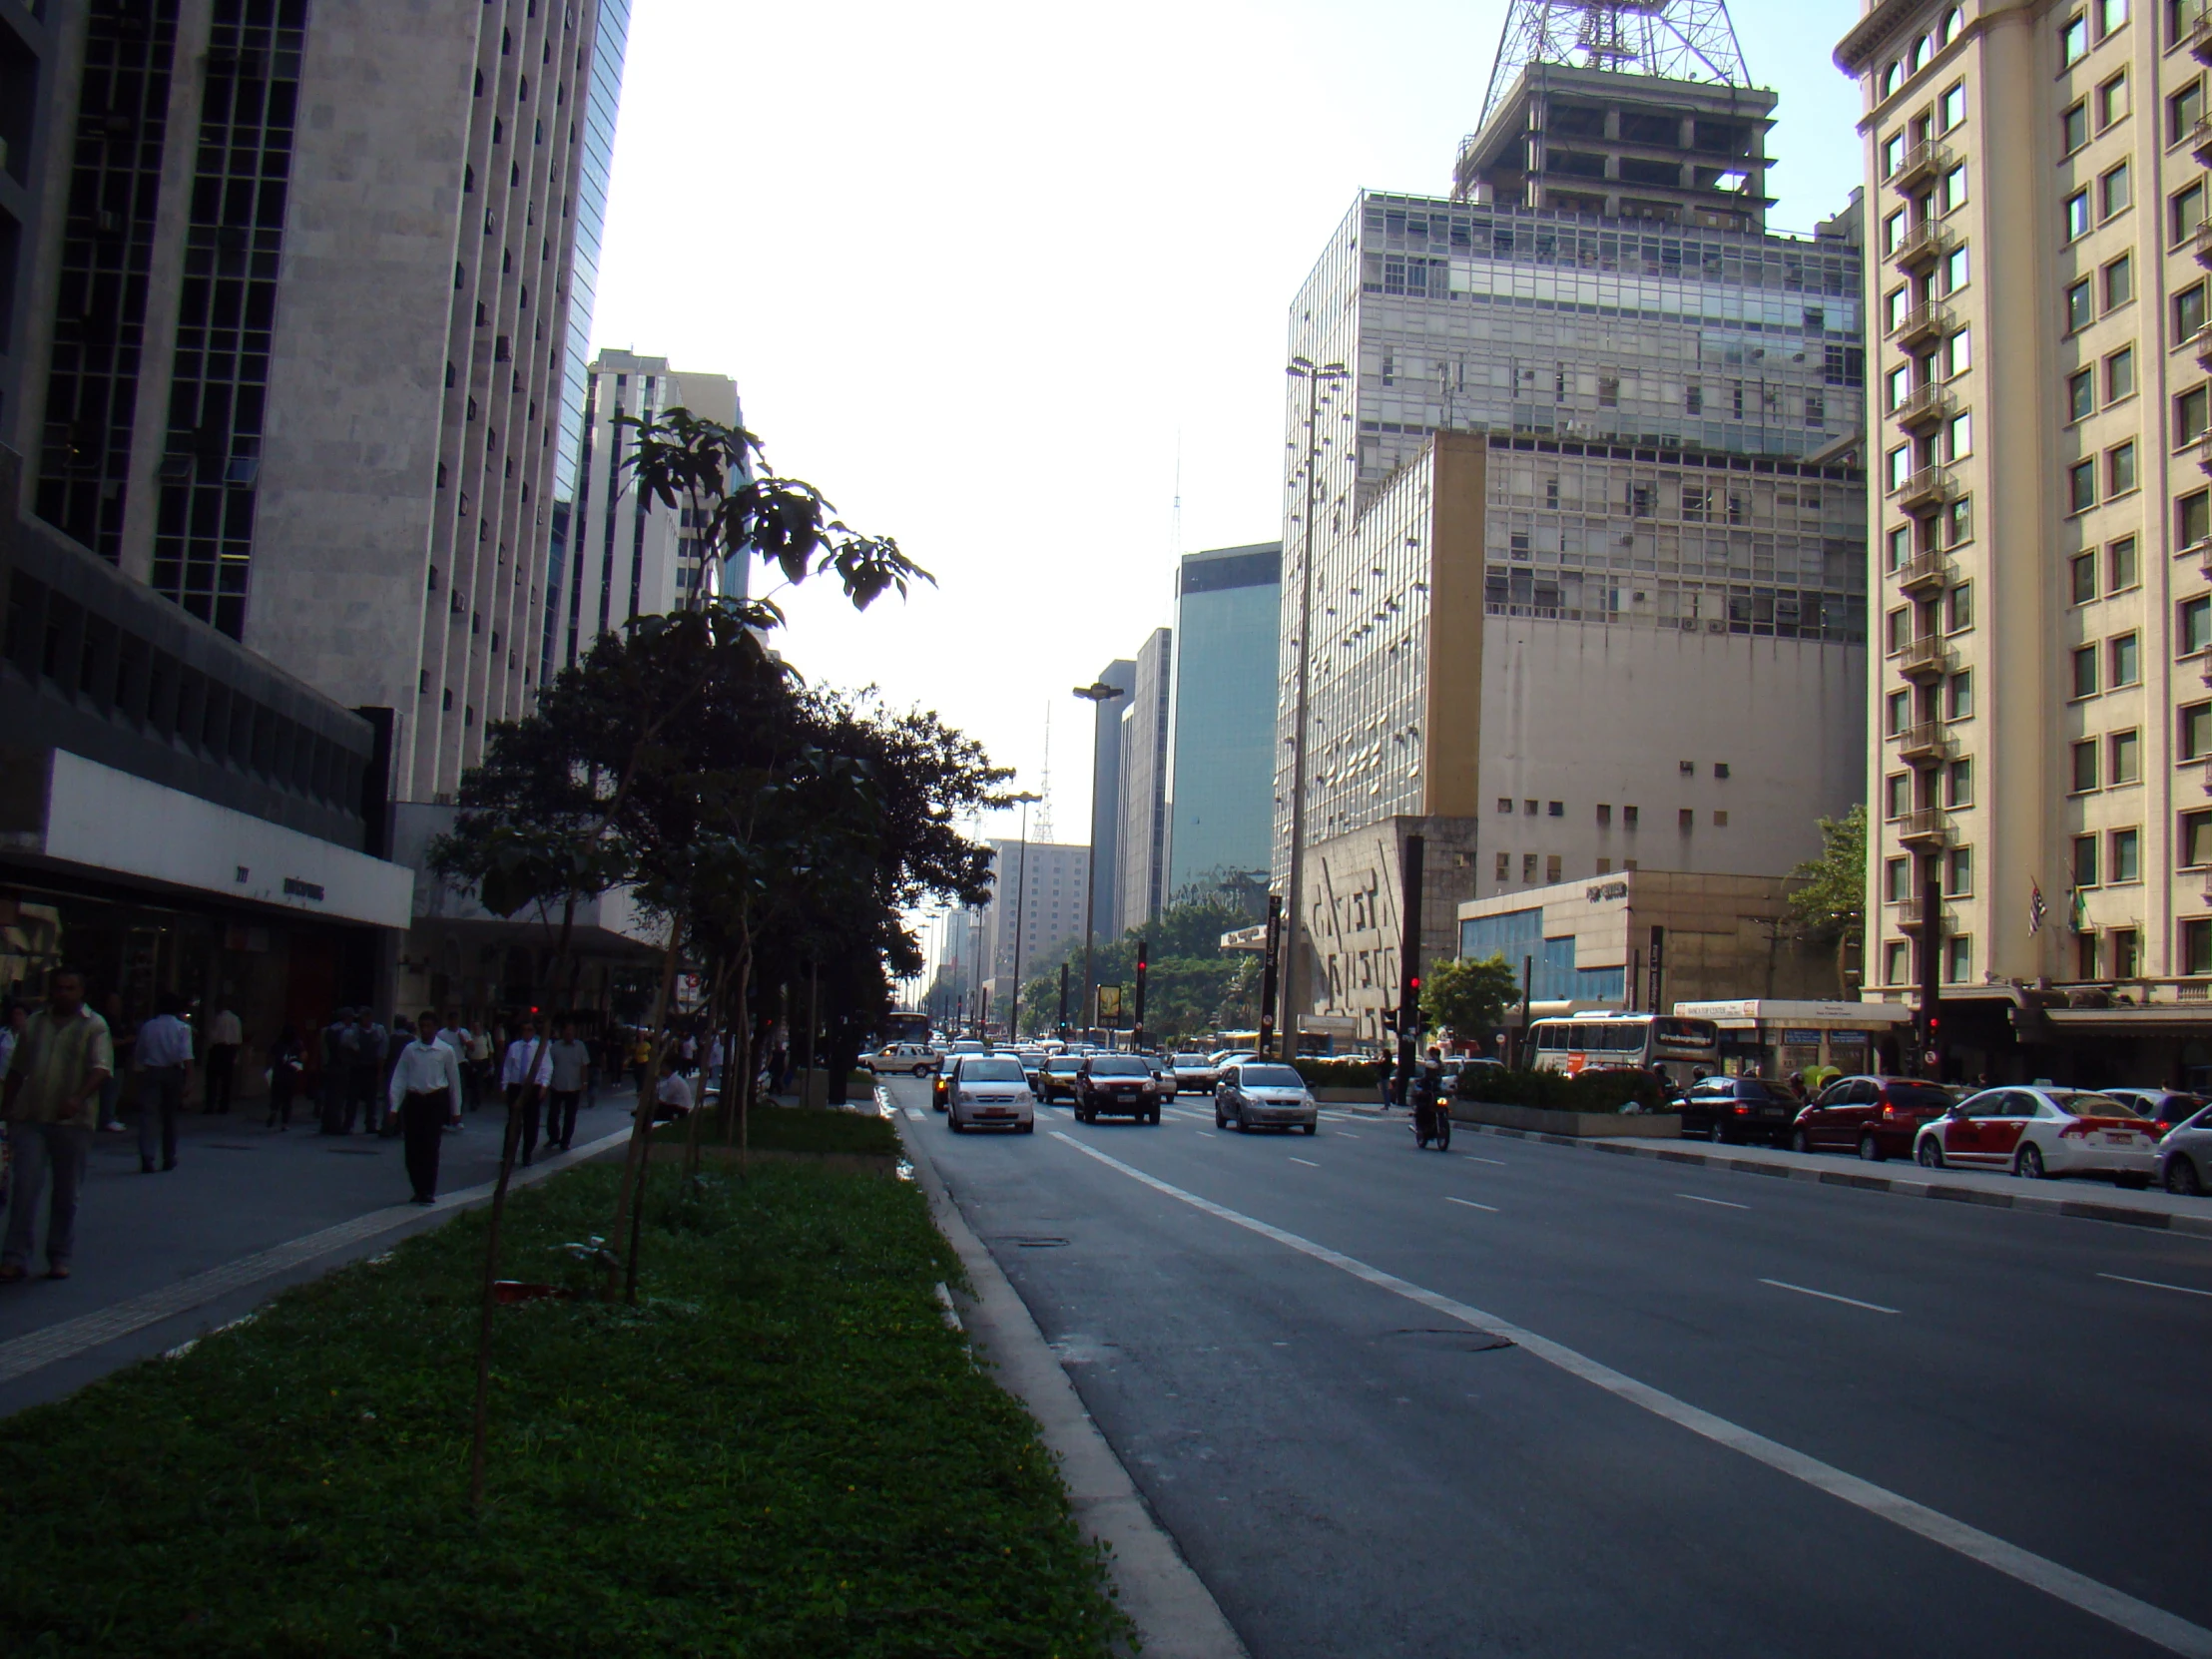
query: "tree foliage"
1831, 905
1468, 997
1190, 982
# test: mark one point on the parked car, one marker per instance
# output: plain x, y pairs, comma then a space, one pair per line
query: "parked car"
1259, 1094
1194, 1074
2162, 1108
2040, 1131
917, 1059
990, 1092
1874, 1116
2185, 1156
1057, 1080
1121, 1083
1735, 1110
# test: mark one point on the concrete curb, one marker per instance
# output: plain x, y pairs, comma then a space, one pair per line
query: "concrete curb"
2115, 1210
1176, 1615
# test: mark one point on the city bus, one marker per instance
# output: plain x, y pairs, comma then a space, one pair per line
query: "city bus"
1596, 1041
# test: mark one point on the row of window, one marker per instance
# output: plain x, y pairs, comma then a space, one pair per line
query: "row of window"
1554, 867
2117, 953
1957, 789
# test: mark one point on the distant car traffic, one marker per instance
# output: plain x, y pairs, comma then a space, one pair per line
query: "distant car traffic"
1194, 1074
1256, 1094
1736, 1110
1118, 1083
2040, 1131
990, 1092
1877, 1117
2185, 1156
2161, 1108
917, 1059
1032, 1063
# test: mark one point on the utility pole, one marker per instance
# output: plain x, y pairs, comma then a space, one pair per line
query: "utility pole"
1408, 957
1136, 1030
1062, 1026
1295, 991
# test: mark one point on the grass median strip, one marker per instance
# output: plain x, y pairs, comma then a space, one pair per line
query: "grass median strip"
781, 1451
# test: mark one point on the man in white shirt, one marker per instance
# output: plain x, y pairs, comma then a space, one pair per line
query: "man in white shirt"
162, 1055
571, 1066
674, 1094
425, 1092
225, 1038
524, 1074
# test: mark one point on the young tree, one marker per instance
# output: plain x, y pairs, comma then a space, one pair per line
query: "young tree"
1468, 997
1831, 905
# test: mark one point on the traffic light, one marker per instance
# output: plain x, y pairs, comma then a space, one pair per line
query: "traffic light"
1390, 1019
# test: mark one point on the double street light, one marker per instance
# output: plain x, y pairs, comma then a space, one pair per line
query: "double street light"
1295, 994
1098, 693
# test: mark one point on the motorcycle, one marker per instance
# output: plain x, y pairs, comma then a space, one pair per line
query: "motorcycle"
1431, 1122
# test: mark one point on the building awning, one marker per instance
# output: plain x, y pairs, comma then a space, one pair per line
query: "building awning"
2179, 1018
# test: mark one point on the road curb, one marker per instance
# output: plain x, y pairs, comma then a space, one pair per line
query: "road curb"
1896, 1185
1176, 1615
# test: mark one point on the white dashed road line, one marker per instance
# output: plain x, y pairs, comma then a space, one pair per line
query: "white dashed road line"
2154, 1283
1718, 1203
1476, 1157
1308, 1162
1470, 1204
2154, 1624
1828, 1295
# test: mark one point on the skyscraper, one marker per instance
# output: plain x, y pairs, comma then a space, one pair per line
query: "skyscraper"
2042, 856
1142, 835
1220, 741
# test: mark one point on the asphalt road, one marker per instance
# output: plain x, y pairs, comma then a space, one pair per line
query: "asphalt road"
1353, 1467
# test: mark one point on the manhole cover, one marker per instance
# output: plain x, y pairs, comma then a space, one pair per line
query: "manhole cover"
1028, 1241
1456, 1339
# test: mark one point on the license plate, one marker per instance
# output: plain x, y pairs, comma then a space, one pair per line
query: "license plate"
2119, 1137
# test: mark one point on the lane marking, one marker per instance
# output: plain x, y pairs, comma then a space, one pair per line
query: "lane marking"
2153, 1624
1828, 1295
1308, 1162
1207, 1133
2154, 1283
1721, 1202
1477, 1158
1470, 1204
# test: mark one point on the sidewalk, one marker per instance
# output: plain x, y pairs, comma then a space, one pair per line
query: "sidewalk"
274, 1207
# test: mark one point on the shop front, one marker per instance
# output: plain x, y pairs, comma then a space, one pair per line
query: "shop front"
1760, 1037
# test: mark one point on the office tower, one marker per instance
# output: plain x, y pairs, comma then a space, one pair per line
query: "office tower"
630, 555
1587, 535
1220, 742
2043, 531
1036, 887
1142, 835
298, 360
1104, 906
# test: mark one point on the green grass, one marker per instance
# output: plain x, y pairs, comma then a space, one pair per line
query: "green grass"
781, 1451
801, 1129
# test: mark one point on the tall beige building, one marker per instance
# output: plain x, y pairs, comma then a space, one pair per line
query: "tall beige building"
2042, 526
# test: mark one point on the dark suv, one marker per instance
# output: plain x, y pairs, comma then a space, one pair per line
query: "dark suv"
1117, 1083
1877, 1117
1734, 1110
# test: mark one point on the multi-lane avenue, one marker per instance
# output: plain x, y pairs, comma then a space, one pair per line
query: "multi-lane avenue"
1517, 1399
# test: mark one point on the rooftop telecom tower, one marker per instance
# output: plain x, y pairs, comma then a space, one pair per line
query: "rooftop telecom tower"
1627, 108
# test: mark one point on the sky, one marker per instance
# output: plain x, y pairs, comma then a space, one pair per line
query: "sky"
1006, 281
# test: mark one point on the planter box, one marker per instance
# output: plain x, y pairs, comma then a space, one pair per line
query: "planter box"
1579, 1125
1368, 1096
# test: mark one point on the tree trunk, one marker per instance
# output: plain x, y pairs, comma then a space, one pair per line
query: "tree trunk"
480, 1415
813, 1025
641, 1120
699, 1101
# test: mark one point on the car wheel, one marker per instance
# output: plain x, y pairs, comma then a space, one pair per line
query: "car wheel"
1312, 1128
1928, 1154
1219, 1122
1029, 1128
921, 1071
953, 1123
1869, 1150
2181, 1176
1798, 1142
1153, 1116
2027, 1163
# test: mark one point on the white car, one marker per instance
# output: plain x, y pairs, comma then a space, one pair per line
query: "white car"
1255, 1095
2040, 1131
1194, 1074
2185, 1156
915, 1058
990, 1092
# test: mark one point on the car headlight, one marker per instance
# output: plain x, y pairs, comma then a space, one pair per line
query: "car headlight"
965, 1098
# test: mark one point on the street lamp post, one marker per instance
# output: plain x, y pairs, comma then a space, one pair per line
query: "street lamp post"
1021, 893
1295, 992
1098, 693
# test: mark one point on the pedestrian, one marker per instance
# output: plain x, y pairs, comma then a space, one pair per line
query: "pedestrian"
364, 1074
426, 1093
527, 1069
674, 1095
641, 1057
717, 1060
287, 1068
572, 1069
225, 1038
333, 1080
164, 1059
111, 1092
478, 1047
51, 1102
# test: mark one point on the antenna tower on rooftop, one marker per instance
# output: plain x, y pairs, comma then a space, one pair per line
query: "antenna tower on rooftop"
1674, 40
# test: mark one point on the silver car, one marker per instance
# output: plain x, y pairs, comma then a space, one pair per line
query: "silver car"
1257, 1094
1194, 1074
2185, 1156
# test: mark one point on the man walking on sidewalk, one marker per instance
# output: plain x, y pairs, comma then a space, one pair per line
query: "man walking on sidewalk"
51, 1100
524, 1074
571, 1071
164, 1065
225, 1038
425, 1092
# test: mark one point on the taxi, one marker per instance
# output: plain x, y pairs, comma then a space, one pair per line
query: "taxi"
2042, 1132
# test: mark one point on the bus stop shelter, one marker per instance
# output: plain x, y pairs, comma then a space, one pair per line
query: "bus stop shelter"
1760, 1037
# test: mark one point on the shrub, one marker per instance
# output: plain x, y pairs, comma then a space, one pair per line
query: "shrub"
1327, 1072
1556, 1091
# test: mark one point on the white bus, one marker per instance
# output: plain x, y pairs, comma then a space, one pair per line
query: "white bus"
1574, 1043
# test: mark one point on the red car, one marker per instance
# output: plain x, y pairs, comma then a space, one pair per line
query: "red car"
1877, 1117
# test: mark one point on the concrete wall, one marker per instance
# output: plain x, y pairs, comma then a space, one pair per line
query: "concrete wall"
1355, 888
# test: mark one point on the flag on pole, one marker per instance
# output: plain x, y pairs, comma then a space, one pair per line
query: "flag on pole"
2036, 909
2078, 919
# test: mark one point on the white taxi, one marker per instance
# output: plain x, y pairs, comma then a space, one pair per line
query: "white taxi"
988, 1091
2040, 1131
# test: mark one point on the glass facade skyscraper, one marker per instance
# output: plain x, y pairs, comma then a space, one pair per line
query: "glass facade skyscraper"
1221, 717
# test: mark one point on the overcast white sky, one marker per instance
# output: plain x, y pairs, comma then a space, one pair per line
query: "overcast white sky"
984, 271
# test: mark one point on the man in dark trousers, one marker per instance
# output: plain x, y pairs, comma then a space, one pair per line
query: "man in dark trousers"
426, 1093
365, 1070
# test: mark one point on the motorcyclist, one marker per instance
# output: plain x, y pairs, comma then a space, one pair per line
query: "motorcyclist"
1428, 1093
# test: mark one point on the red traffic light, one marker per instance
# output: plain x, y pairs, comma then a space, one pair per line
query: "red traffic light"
1414, 982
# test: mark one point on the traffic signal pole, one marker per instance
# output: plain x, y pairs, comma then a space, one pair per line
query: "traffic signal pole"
1136, 1032
1409, 957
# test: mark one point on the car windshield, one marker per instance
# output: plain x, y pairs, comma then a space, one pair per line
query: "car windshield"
1934, 1096
1271, 1077
991, 1071
1066, 1063
2095, 1106
1120, 1068
1194, 1061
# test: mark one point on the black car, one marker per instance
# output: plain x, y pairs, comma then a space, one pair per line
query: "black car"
1124, 1083
1737, 1110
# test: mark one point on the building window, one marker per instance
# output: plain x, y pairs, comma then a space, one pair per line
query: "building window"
1954, 189
2073, 129
1504, 866
2196, 947
2196, 840
2126, 660
2085, 670
1894, 964
1957, 522
2082, 308
1506, 805
1958, 873
1950, 108
1604, 814
1896, 795
2110, 15
1892, 154
2189, 311
1900, 544
1900, 467
1685, 821
2075, 211
2182, 110
1957, 958
2085, 956
1959, 696
2125, 853
2081, 486
1898, 711
2084, 861
1958, 270
1720, 820
1958, 437
2193, 730
2119, 470
2081, 395
2119, 374
1959, 783
2125, 753
1528, 866
2113, 101
2185, 212
1898, 626
1628, 818
2084, 754
2193, 518
2119, 281
2193, 630
2082, 571
1958, 609
1557, 809
1551, 868
2113, 192
1958, 354
2121, 565
2127, 953
2193, 414
1897, 880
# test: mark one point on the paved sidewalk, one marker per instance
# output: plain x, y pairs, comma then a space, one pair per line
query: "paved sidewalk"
246, 1212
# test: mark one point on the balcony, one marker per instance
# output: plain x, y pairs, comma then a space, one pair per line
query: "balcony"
2200, 141
1924, 161
1922, 410
1924, 572
1927, 658
1926, 489
2199, 450
1923, 245
2199, 242
1912, 914
1923, 826
2198, 36
1921, 324
2201, 343
1924, 744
